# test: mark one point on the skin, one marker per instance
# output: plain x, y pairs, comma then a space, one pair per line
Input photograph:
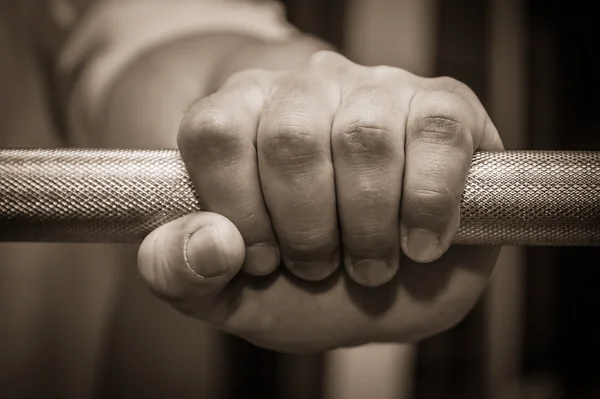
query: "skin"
332, 194
331, 190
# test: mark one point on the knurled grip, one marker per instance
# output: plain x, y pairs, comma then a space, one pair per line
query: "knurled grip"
96, 195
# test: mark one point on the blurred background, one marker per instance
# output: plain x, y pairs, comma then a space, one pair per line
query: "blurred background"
534, 335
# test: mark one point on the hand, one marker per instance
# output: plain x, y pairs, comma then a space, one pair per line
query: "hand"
352, 176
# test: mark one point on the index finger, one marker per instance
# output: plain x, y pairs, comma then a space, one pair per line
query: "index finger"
217, 140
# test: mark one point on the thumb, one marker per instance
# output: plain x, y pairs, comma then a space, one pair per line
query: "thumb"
191, 258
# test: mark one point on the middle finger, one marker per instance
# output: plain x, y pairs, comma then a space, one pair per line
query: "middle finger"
296, 173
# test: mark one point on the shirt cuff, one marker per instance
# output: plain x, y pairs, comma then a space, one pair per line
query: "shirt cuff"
114, 33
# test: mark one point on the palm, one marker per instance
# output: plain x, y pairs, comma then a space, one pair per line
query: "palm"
283, 312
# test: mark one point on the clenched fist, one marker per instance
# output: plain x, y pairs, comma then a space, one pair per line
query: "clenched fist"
332, 195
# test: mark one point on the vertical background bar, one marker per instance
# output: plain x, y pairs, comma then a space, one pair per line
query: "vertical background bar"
540, 338
399, 33
563, 298
256, 372
508, 94
452, 364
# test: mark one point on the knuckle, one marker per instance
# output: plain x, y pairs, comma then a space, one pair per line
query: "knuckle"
384, 70
446, 82
431, 201
210, 135
160, 285
368, 231
309, 243
322, 57
161, 275
454, 87
369, 241
441, 128
291, 143
249, 73
252, 75
385, 73
382, 73
365, 137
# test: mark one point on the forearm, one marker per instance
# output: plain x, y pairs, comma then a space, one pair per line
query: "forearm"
145, 104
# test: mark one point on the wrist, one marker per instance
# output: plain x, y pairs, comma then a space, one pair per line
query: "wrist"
274, 56
111, 39
145, 102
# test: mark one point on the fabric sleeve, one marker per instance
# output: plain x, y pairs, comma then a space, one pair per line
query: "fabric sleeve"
94, 41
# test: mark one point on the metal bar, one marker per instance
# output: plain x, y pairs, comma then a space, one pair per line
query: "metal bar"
98, 195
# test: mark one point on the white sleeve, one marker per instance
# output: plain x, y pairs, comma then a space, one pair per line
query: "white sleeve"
113, 33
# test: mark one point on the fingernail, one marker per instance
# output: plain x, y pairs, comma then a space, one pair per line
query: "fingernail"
370, 272
422, 245
313, 271
261, 259
204, 254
